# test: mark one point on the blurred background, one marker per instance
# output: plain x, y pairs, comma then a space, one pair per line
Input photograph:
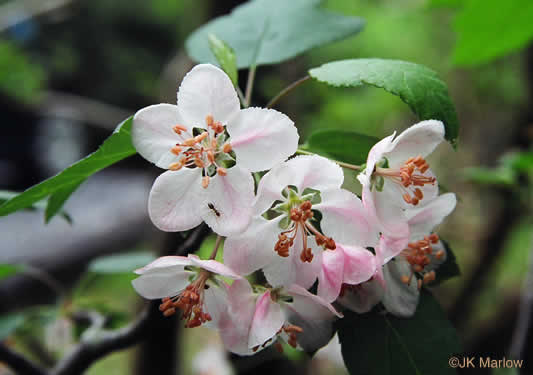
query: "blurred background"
71, 70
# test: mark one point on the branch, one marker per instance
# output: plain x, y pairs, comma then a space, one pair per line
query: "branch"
19, 363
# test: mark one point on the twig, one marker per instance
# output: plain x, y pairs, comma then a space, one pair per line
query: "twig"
249, 86
215, 248
19, 363
286, 90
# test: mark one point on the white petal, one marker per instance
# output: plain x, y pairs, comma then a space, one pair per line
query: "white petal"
419, 139
331, 274
400, 299
207, 90
160, 283
376, 153
231, 196
165, 262
310, 306
363, 298
215, 302
291, 270
422, 220
268, 320
213, 266
174, 200
152, 134
316, 333
262, 138
303, 172
359, 264
344, 218
253, 249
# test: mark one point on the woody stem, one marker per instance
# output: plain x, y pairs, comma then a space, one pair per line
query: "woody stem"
215, 249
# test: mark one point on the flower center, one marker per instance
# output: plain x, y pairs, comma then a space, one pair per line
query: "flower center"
419, 255
190, 302
299, 223
207, 150
410, 176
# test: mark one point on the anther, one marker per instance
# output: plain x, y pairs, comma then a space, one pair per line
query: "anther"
179, 128
169, 312
205, 182
199, 138
211, 156
222, 171
418, 193
405, 279
189, 142
440, 254
306, 206
175, 166
175, 150
330, 243
209, 120
227, 148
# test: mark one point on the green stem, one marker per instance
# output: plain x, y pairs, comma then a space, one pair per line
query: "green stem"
241, 96
286, 90
249, 86
340, 163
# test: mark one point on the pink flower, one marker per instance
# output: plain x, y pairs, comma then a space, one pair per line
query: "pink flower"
397, 177
254, 321
284, 238
188, 284
209, 146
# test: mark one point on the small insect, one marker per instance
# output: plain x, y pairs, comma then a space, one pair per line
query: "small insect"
212, 207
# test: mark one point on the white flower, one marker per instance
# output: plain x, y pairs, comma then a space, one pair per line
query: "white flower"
289, 247
397, 177
210, 146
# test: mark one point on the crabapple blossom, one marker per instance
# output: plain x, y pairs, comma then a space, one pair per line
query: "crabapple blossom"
254, 320
209, 147
284, 238
397, 177
188, 284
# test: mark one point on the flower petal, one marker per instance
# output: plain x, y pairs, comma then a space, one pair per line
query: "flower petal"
400, 299
174, 200
268, 320
363, 297
253, 249
422, 220
160, 283
331, 274
376, 153
207, 90
303, 172
262, 138
419, 139
214, 266
344, 218
164, 262
310, 306
359, 264
316, 333
153, 136
216, 301
227, 205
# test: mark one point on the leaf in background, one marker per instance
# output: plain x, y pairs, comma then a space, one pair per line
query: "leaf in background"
503, 176
342, 145
225, 57
9, 324
488, 29
449, 268
418, 86
7, 270
379, 344
121, 263
285, 29
40, 205
519, 161
115, 148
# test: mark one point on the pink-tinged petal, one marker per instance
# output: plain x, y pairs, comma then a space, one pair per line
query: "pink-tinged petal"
345, 219
207, 90
310, 306
213, 266
291, 270
174, 200
253, 249
422, 220
215, 301
331, 274
392, 193
359, 264
227, 206
153, 136
262, 138
268, 320
316, 333
164, 262
162, 282
234, 324
400, 299
419, 139
303, 172
376, 153
363, 297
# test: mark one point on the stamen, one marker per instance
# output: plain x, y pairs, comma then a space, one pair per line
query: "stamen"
205, 182
176, 150
222, 171
227, 148
179, 128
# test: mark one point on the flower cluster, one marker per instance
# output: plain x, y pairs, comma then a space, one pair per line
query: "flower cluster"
296, 223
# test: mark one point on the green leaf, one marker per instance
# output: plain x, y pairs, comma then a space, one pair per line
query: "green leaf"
379, 344
418, 86
519, 161
503, 176
115, 148
488, 29
274, 30
342, 145
40, 205
9, 324
7, 270
449, 268
121, 263
225, 57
